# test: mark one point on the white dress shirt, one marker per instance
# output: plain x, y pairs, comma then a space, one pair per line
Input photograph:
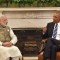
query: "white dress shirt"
58, 32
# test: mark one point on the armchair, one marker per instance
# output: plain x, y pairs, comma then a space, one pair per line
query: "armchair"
42, 46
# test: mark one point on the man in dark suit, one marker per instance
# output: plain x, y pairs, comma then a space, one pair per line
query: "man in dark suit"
52, 34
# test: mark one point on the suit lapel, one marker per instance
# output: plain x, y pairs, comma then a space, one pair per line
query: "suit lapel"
52, 27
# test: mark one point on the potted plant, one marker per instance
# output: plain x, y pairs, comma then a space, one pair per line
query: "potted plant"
4, 3
29, 3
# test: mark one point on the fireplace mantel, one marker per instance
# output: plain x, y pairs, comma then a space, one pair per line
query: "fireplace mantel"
30, 9
28, 17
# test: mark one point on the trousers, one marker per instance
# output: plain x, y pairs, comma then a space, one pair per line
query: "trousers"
50, 49
6, 52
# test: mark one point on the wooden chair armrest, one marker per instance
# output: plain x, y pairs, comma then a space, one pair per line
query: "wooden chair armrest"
42, 45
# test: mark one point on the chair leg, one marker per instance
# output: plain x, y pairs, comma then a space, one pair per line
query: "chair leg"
10, 58
21, 58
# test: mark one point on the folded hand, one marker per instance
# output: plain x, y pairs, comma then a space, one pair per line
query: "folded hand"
7, 44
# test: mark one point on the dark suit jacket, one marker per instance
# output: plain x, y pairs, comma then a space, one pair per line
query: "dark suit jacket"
49, 32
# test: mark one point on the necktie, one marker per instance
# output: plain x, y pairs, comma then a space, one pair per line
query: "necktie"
55, 31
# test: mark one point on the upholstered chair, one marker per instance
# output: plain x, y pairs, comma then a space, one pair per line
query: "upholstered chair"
42, 45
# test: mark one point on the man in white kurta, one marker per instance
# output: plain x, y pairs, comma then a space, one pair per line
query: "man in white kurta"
7, 48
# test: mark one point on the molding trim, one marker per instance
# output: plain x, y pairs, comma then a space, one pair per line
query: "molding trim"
30, 9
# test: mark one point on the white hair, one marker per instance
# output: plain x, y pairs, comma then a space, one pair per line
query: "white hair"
1, 15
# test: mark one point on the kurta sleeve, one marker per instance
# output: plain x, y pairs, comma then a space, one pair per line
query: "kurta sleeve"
0, 43
13, 37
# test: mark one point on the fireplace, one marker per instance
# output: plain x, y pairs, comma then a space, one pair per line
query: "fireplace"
28, 40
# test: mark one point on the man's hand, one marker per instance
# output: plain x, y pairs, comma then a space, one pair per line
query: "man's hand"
44, 29
7, 44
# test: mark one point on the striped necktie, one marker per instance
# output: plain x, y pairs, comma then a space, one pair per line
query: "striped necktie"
55, 31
